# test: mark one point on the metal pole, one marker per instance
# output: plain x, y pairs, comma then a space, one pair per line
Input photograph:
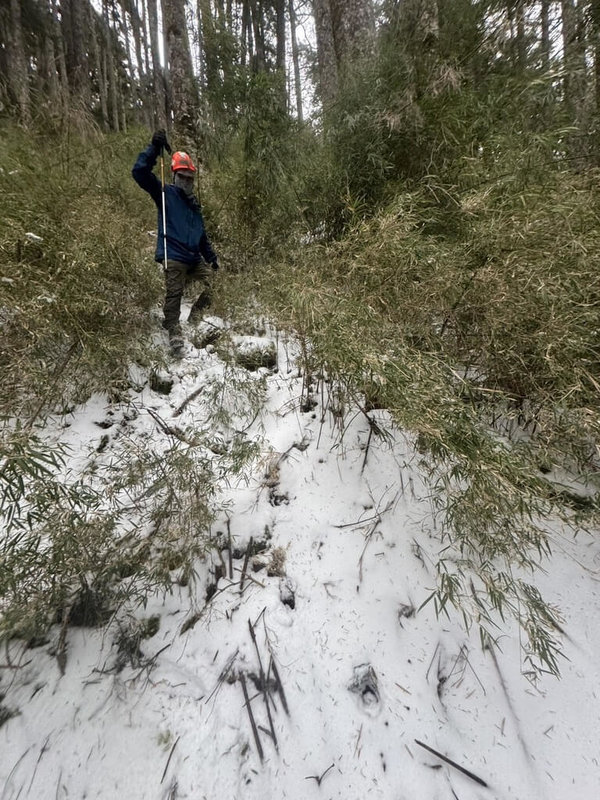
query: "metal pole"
164, 211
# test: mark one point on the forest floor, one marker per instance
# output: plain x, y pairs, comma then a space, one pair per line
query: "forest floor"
321, 636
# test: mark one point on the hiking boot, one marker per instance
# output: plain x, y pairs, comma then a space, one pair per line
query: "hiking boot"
195, 316
176, 340
177, 345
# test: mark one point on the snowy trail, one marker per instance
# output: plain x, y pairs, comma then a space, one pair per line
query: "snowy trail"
363, 671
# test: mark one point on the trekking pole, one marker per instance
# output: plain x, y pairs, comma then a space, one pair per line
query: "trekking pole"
164, 210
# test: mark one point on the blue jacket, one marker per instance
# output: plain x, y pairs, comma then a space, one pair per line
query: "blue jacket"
186, 238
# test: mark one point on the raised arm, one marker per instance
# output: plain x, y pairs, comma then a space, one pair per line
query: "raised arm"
143, 175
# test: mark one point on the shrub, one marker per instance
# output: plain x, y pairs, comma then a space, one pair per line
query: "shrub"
76, 278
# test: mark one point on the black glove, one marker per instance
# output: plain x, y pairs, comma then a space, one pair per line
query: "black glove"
159, 141
215, 264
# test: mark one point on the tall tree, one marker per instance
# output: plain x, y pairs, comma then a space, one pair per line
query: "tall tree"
326, 58
574, 60
18, 78
75, 28
158, 74
182, 83
295, 60
353, 26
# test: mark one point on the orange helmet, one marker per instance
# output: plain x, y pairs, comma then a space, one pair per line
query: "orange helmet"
181, 160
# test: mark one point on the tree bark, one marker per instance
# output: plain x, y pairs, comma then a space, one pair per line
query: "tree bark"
160, 92
209, 41
18, 72
259, 61
182, 83
326, 58
353, 27
574, 60
111, 76
280, 29
99, 68
545, 24
76, 50
296, 61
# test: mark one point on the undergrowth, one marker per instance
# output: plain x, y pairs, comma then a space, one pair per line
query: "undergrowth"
77, 548
483, 341
76, 272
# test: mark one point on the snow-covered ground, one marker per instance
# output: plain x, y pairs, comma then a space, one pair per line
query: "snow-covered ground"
341, 670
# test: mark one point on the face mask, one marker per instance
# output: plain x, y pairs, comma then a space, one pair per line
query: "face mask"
184, 182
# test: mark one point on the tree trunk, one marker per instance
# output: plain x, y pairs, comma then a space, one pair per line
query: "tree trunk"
280, 28
182, 83
545, 23
326, 58
130, 71
17, 58
521, 36
98, 68
353, 27
280, 51
59, 60
160, 92
209, 41
109, 68
51, 75
247, 48
574, 66
76, 50
296, 61
259, 62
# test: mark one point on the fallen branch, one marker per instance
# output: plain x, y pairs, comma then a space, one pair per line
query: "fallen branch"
229, 549
245, 566
263, 681
224, 673
169, 760
282, 697
319, 778
251, 716
175, 432
187, 400
453, 764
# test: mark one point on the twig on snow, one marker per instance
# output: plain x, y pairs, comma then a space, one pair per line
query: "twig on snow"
175, 432
229, 549
224, 673
282, 697
43, 749
187, 400
319, 778
466, 772
245, 566
263, 681
169, 759
437, 647
251, 716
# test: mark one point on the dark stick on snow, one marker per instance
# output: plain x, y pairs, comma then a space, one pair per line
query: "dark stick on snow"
319, 778
187, 400
263, 681
251, 716
229, 548
279, 686
224, 673
364, 464
246, 558
453, 764
169, 760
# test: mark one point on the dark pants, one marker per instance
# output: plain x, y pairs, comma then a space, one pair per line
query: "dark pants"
177, 276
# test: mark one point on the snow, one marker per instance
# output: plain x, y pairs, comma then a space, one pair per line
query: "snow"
365, 672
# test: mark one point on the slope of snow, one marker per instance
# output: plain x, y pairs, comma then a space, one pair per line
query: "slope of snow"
364, 673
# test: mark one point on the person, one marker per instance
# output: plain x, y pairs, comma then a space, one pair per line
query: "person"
190, 256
